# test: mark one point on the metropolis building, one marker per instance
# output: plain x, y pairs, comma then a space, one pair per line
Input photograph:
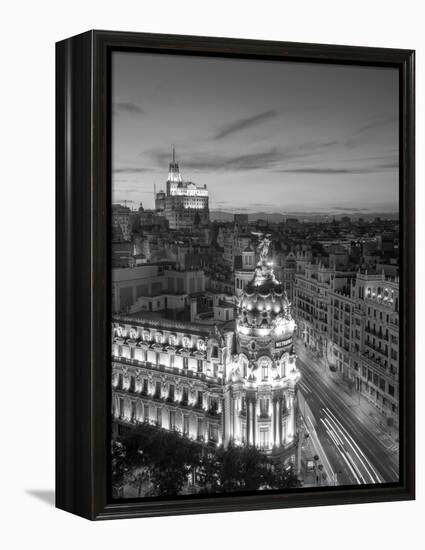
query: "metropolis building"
230, 383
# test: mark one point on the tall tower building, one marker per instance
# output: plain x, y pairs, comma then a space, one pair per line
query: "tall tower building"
185, 204
174, 177
261, 399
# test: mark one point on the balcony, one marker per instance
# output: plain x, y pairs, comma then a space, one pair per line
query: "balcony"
377, 349
373, 361
378, 334
187, 373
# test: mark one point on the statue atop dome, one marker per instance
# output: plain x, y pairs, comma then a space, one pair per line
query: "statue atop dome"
264, 243
264, 271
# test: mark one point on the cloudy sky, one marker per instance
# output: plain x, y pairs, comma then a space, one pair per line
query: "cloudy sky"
264, 136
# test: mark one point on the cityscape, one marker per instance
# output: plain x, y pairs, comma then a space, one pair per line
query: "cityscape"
251, 351
254, 275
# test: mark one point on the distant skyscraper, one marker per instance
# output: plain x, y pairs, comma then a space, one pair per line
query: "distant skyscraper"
185, 204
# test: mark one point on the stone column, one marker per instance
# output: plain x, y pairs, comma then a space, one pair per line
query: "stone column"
291, 419
248, 421
254, 421
279, 412
233, 416
274, 422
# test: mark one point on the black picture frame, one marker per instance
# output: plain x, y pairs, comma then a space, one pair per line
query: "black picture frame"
82, 271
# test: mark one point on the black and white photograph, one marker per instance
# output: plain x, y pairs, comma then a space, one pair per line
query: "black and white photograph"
254, 260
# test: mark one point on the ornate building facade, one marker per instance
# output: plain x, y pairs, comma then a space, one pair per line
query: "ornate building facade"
350, 320
184, 204
233, 383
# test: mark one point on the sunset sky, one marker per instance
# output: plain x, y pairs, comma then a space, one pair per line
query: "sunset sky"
264, 136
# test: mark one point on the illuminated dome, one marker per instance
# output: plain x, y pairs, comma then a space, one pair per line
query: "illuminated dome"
264, 303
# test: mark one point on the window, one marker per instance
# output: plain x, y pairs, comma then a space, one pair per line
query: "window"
121, 407
185, 395
120, 381
243, 404
146, 413
265, 370
213, 405
199, 399
145, 386
132, 383
264, 406
185, 362
200, 365
391, 390
213, 433
382, 384
158, 416
186, 425
200, 428
133, 411
171, 392
157, 390
172, 420
243, 433
264, 438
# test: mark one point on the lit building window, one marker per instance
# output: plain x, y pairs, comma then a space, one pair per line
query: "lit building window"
171, 392
172, 420
264, 438
159, 416
185, 395
200, 428
200, 399
264, 406
186, 425
133, 411
213, 433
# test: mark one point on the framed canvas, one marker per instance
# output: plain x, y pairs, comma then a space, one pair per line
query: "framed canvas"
235, 275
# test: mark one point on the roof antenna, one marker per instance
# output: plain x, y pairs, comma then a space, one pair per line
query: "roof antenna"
174, 155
